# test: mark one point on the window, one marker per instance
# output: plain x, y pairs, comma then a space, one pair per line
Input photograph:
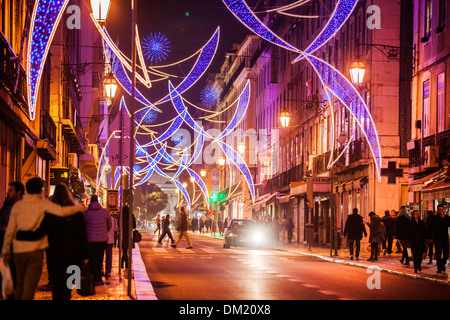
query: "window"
442, 14
426, 109
441, 103
427, 22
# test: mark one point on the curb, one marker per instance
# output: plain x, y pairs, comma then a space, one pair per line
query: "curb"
143, 286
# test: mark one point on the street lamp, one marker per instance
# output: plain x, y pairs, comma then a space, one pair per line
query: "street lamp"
192, 179
203, 172
100, 9
285, 117
110, 86
241, 147
184, 184
357, 71
222, 161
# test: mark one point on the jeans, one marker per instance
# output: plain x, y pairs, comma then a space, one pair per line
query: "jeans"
441, 253
388, 248
28, 273
108, 258
164, 234
358, 246
96, 251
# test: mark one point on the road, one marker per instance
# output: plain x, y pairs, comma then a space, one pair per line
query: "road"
210, 272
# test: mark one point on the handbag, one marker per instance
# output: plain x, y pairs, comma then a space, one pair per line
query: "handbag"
7, 282
137, 237
86, 283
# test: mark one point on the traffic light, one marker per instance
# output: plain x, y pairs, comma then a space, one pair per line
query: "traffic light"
214, 197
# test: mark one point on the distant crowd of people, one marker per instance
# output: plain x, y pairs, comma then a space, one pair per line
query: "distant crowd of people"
33, 227
415, 236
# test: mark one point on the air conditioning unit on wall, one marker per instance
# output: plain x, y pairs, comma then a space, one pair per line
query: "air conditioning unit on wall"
431, 157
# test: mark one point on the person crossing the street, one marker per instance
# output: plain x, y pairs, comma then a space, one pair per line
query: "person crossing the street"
182, 230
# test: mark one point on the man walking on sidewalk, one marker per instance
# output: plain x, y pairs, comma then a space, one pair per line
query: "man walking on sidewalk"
182, 230
389, 223
26, 215
439, 234
354, 228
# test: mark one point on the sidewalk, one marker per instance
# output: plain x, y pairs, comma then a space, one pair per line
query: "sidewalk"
115, 288
388, 263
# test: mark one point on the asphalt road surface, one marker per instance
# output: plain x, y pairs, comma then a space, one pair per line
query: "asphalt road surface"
210, 272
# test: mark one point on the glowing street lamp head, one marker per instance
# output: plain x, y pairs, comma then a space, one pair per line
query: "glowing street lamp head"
241, 147
184, 184
203, 172
192, 179
110, 86
100, 9
285, 117
357, 71
222, 161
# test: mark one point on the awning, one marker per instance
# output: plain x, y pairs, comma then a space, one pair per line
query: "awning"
299, 188
284, 199
348, 186
262, 201
419, 184
437, 190
357, 183
88, 168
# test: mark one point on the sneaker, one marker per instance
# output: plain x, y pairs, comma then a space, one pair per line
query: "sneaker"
173, 246
357, 258
189, 247
351, 257
384, 252
431, 262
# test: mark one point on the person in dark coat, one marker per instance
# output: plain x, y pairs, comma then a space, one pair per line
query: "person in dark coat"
430, 245
389, 223
125, 234
183, 228
402, 233
439, 234
417, 238
289, 227
166, 230
377, 233
354, 230
67, 240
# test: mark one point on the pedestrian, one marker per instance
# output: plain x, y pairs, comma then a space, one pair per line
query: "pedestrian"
389, 223
158, 224
15, 193
429, 243
276, 229
26, 215
377, 233
417, 238
289, 227
220, 225
202, 225
439, 234
98, 223
397, 242
402, 233
225, 223
354, 230
109, 247
67, 240
166, 230
126, 250
283, 228
183, 228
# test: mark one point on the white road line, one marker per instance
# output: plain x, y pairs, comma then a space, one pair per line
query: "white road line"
295, 280
183, 250
328, 293
312, 286
209, 250
159, 250
270, 271
283, 276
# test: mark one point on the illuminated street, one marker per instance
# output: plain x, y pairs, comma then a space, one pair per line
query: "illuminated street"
210, 272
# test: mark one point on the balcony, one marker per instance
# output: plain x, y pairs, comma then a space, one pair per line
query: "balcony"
73, 128
418, 157
281, 181
320, 163
8, 75
47, 144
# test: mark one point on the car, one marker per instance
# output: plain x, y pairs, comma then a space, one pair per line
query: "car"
243, 232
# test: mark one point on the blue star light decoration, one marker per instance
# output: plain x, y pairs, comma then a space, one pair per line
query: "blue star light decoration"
156, 47
210, 95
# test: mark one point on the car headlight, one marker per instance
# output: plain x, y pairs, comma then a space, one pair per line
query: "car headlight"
258, 237
232, 235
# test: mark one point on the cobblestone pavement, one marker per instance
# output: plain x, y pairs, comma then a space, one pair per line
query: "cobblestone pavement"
115, 288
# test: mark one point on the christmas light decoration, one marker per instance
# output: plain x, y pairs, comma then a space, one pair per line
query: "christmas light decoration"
156, 47
210, 95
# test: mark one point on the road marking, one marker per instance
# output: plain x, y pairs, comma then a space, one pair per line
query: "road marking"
295, 280
209, 250
269, 271
183, 250
312, 286
328, 293
168, 257
159, 250
283, 276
